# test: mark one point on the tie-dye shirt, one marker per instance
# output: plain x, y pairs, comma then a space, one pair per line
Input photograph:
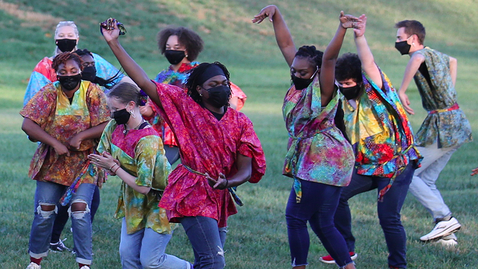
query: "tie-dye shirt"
141, 154
445, 122
51, 109
206, 145
43, 74
317, 149
379, 131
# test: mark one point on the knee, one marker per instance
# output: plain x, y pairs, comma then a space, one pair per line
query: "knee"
79, 208
46, 210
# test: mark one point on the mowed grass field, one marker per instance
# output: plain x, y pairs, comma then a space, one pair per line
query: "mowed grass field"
257, 235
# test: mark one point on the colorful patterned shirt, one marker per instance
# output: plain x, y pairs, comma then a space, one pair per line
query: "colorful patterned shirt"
317, 149
379, 131
141, 154
43, 74
445, 122
206, 145
51, 109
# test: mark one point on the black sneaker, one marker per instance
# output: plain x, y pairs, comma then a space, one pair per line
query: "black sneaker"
59, 246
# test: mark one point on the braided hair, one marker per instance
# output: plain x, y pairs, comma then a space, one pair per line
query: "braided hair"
313, 55
63, 57
193, 80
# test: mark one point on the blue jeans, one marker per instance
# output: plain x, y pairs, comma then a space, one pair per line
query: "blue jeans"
63, 216
146, 249
48, 194
317, 206
388, 212
207, 241
423, 184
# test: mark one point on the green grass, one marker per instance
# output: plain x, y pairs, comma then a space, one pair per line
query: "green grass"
257, 235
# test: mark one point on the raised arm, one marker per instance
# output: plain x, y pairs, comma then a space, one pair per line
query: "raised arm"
453, 69
365, 54
412, 68
134, 71
282, 33
331, 53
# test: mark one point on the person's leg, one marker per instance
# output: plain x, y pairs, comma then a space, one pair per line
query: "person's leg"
47, 195
153, 254
203, 233
324, 199
81, 222
59, 224
423, 184
130, 247
343, 217
223, 234
297, 215
389, 216
95, 203
172, 153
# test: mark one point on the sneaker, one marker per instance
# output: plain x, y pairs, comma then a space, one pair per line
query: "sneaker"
329, 259
85, 267
33, 265
449, 241
59, 246
442, 228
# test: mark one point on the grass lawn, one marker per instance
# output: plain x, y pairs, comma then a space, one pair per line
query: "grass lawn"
257, 235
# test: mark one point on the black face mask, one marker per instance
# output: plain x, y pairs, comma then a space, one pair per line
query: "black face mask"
121, 116
302, 83
219, 96
89, 73
351, 92
66, 44
69, 83
174, 56
403, 47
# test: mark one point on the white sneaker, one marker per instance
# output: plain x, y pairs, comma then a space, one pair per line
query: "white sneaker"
442, 228
33, 265
449, 241
85, 267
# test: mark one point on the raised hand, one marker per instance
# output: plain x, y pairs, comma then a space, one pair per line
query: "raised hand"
348, 21
360, 25
268, 11
109, 29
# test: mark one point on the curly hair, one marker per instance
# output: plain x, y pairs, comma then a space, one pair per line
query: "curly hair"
413, 27
312, 54
186, 37
196, 73
126, 92
348, 66
63, 57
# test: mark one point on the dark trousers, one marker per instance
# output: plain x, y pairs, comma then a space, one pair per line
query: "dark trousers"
388, 212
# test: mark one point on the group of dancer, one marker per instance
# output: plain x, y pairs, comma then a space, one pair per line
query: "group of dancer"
348, 133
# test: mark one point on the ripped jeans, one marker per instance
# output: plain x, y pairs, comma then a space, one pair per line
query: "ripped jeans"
207, 241
48, 194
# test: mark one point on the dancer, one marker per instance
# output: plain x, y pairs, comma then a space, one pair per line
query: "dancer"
444, 129
218, 146
382, 138
319, 158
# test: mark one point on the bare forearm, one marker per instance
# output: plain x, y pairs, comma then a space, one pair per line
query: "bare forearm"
332, 51
453, 69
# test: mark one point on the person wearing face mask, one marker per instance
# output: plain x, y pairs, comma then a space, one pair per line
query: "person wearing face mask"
132, 150
444, 129
319, 158
218, 145
381, 135
181, 46
66, 117
66, 40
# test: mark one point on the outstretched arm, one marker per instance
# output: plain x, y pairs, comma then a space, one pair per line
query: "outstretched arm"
412, 68
331, 53
453, 69
365, 54
282, 33
134, 71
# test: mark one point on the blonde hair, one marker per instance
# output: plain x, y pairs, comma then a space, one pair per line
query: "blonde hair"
67, 23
